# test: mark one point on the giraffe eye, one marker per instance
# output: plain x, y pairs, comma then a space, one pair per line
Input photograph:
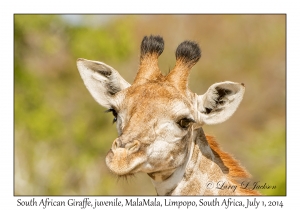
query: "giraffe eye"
185, 122
115, 114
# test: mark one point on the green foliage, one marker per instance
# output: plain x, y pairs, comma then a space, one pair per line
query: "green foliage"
107, 43
276, 174
57, 123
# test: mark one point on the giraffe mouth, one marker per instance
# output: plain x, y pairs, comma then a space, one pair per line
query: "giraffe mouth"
122, 163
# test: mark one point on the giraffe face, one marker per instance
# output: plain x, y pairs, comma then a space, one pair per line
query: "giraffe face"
154, 122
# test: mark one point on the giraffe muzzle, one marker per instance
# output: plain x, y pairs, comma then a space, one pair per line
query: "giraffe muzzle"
125, 158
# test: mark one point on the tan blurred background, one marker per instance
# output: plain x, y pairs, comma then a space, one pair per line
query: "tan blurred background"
62, 135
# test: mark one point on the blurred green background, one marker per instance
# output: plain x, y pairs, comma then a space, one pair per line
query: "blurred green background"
62, 135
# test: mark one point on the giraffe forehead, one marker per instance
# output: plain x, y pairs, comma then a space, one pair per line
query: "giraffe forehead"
153, 89
155, 95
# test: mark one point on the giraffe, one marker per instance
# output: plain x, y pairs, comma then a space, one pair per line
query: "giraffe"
159, 122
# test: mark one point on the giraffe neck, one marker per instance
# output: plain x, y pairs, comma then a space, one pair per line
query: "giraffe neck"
199, 175
167, 186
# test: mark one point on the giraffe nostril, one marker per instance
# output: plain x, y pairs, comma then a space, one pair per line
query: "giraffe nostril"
133, 146
116, 144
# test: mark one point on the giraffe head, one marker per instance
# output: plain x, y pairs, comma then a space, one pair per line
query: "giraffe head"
157, 114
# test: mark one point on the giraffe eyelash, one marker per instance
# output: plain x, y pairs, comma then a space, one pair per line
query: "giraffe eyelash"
115, 114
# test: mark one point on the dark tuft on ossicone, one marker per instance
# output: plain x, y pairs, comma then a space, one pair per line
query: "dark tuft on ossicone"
151, 45
188, 52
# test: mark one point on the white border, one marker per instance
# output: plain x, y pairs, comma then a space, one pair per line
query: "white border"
8, 8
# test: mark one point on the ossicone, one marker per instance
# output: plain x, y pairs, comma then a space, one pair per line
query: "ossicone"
152, 45
151, 48
188, 53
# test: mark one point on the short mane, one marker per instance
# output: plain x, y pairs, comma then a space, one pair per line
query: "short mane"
229, 165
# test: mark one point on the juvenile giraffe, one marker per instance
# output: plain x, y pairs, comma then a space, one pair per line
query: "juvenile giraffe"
159, 122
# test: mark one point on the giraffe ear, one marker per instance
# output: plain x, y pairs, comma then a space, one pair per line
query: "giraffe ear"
102, 81
219, 102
